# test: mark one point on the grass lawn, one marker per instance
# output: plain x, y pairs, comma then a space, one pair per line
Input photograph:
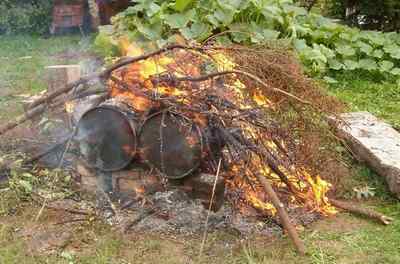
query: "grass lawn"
361, 93
22, 62
342, 239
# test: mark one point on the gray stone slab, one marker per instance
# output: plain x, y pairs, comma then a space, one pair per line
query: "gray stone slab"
376, 143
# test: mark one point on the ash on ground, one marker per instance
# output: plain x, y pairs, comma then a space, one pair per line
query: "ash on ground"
173, 212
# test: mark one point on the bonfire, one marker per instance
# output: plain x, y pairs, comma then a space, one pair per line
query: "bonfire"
246, 115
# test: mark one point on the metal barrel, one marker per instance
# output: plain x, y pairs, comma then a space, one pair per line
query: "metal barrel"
106, 135
171, 143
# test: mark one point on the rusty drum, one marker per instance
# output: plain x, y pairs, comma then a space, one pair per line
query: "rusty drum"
107, 135
171, 143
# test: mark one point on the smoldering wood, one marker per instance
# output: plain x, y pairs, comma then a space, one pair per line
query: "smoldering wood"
136, 182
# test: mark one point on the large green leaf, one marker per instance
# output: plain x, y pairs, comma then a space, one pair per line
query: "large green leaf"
345, 50
375, 38
152, 9
393, 50
270, 34
350, 64
395, 71
300, 44
179, 20
377, 53
224, 16
386, 66
230, 4
240, 32
196, 31
181, 5
335, 64
151, 32
367, 64
364, 47
273, 13
314, 55
326, 51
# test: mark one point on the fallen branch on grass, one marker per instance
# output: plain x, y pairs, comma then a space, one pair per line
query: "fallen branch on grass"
356, 209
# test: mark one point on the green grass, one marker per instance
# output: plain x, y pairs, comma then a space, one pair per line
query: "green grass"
22, 62
364, 93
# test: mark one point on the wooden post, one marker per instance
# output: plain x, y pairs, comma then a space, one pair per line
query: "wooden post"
60, 75
57, 77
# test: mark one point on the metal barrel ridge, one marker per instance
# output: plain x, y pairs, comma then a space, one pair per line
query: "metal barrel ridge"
106, 136
171, 143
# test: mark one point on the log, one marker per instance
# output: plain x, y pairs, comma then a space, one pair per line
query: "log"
59, 75
23, 118
374, 142
356, 209
282, 214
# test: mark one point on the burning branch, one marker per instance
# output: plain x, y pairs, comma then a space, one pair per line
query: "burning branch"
39, 106
282, 214
249, 75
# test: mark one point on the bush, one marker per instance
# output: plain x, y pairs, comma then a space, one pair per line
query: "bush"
25, 16
325, 47
367, 14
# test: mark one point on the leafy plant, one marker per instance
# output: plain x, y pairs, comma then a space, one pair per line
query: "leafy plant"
323, 45
364, 192
17, 16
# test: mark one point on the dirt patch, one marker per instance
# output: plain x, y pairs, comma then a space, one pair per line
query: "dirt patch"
341, 223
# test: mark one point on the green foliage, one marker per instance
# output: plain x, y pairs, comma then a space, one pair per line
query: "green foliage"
104, 44
33, 16
323, 45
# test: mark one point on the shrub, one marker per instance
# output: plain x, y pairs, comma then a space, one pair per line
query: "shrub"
25, 16
323, 45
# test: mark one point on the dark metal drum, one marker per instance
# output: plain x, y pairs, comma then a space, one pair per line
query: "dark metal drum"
171, 143
107, 136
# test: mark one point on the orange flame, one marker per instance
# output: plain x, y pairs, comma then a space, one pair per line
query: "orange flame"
136, 78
